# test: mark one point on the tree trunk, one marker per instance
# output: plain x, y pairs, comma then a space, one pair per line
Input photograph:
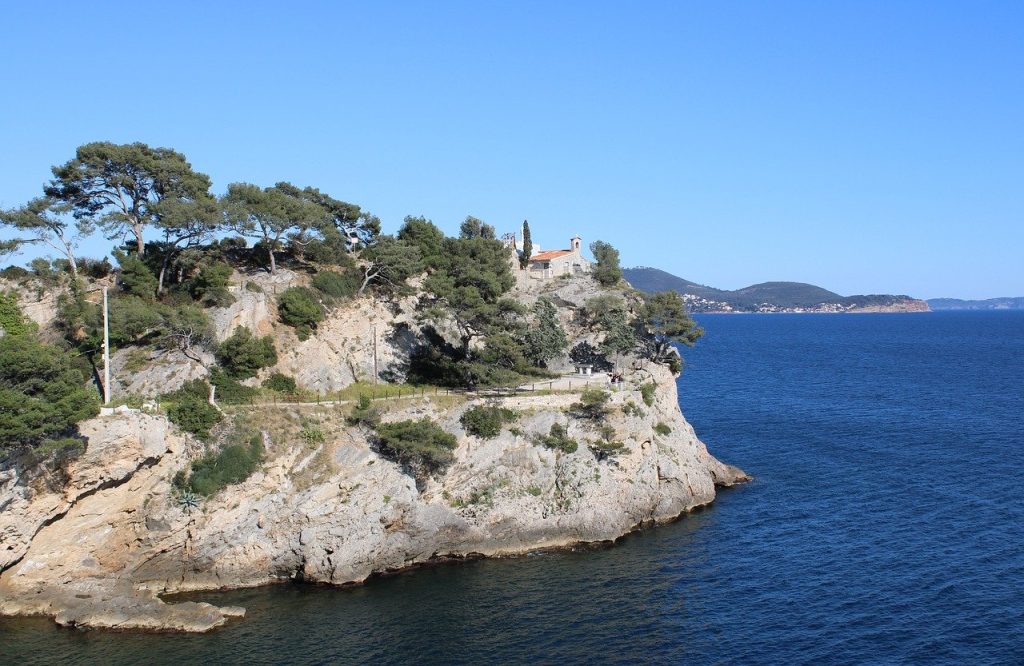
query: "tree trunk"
273, 264
163, 271
368, 275
140, 244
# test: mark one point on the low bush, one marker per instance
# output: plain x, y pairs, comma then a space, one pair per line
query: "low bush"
336, 285
95, 268
593, 404
364, 413
134, 320
662, 429
210, 285
242, 355
632, 409
312, 434
606, 445
190, 409
558, 438
485, 421
280, 383
229, 390
43, 270
647, 393
215, 471
300, 308
15, 273
420, 444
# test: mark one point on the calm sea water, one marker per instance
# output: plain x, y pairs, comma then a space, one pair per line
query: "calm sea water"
885, 525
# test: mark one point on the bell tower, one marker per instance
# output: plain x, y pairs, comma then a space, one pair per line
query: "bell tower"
574, 243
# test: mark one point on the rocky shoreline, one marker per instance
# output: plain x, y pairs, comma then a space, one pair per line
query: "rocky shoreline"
103, 549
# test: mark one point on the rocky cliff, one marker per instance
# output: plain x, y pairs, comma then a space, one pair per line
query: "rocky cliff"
98, 550
98, 542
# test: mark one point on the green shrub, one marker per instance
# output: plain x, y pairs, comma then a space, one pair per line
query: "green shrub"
534, 490
606, 445
422, 445
229, 390
647, 393
604, 449
232, 464
42, 269
134, 319
210, 285
12, 322
558, 438
312, 434
364, 413
95, 268
593, 404
662, 429
280, 383
194, 415
253, 287
42, 394
632, 409
134, 277
15, 274
243, 354
336, 285
300, 308
485, 421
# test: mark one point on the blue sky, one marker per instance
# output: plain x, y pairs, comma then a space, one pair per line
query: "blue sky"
868, 147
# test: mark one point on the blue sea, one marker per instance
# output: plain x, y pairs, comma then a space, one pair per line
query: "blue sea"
884, 525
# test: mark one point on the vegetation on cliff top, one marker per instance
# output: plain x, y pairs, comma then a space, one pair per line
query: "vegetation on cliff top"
185, 244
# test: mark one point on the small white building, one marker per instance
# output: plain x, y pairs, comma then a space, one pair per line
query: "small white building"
553, 263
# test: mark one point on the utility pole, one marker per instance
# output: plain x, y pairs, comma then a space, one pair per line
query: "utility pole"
374, 353
106, 349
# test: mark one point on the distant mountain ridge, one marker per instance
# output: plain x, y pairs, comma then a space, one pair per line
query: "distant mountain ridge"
768, 296
1004, 303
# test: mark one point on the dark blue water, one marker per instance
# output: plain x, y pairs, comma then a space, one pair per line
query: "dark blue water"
885, 525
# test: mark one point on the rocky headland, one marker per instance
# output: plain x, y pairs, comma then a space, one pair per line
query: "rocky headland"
99, 541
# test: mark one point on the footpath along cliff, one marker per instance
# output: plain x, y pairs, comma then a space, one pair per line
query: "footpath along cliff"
97, 542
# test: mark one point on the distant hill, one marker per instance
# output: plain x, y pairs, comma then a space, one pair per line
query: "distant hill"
1005, 303
768, 296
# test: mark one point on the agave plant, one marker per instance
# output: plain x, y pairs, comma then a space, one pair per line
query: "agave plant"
188, 500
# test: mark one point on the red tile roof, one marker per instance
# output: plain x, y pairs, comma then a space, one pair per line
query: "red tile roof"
549, 255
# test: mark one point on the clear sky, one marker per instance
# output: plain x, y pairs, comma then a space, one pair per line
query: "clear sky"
868, 147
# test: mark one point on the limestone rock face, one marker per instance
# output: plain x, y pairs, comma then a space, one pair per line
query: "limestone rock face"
99, 550
342, 350
252, 310
145, 372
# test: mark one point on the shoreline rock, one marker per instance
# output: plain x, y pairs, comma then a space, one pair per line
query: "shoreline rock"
102, 551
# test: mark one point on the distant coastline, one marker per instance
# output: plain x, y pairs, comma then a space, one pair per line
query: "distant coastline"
1002, 303
770, 297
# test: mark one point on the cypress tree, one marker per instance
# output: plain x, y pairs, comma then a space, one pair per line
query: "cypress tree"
524, 258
